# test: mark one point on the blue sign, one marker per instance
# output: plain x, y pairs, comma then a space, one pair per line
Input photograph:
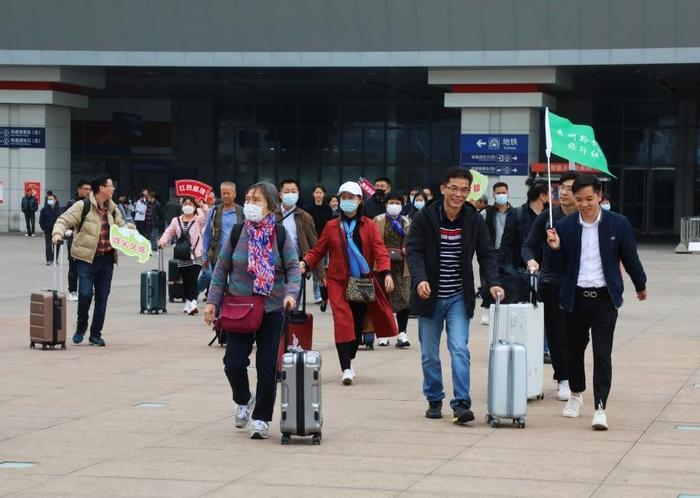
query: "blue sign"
27, 138
496, 155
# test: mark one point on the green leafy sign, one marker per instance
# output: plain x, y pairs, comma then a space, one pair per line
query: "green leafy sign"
130, 243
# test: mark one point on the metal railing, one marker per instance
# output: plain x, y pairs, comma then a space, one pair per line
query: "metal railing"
690, 235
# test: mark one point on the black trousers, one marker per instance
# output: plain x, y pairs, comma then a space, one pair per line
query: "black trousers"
598, 316
72, 270
30, 220
402, 320
348, 350
49, 248
555, 329
190, 274
237, 359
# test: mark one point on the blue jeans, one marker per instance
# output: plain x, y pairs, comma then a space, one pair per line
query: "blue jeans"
453, 313
204, 279
97, 276
155, 235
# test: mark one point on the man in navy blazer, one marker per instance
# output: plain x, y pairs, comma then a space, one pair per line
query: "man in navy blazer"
590, 245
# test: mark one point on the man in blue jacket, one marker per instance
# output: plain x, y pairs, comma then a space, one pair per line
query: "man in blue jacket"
590, 245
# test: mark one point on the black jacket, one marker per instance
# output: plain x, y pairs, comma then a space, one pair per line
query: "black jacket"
508, 251
535, 247
29, 205
423, 252
374, 207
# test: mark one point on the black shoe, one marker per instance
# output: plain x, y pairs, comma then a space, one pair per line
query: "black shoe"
434, 409
77, 338
96, 341
461, 414
547, 358
324, 306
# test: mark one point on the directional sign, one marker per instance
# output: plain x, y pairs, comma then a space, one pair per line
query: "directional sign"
22, 137
503, 154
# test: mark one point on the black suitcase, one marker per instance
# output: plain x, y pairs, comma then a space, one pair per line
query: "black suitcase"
175, 287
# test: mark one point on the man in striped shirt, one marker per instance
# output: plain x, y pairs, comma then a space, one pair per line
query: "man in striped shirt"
441, 245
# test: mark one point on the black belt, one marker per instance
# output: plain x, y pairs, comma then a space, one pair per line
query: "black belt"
591, 292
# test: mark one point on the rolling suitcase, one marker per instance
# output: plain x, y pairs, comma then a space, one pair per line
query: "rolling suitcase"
299, 332
175, 287
301, 396
524, 323
507, 384
153, 289
47, 314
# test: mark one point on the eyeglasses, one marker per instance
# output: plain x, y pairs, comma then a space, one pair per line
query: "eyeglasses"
453, 189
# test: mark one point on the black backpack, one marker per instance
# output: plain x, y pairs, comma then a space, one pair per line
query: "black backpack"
183, 246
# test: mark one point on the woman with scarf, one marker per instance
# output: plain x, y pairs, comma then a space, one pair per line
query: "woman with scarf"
393, 228
254, 266
354, 247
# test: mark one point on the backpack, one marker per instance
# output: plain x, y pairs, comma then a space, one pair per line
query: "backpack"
183, 247
86, 210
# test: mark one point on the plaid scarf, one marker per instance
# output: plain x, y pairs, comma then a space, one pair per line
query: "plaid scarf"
261, 264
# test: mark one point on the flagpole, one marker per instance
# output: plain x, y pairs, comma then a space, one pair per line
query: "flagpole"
548, 152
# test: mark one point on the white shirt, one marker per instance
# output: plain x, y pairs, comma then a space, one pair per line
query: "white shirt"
590, 271
290, 224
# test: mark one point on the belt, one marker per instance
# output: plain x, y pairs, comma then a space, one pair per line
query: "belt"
591, 292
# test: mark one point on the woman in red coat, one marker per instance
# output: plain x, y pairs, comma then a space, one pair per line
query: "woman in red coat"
354, 247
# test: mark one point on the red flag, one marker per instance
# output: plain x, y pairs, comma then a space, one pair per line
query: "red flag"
192, 188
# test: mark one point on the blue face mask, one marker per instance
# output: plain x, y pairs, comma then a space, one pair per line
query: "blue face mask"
501, 199
50, 202
605, 206
290, 198
419, 205
348, 205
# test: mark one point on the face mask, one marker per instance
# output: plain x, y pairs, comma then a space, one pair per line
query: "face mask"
393, 210
50, 202
188, 209
379, 192
501, 199
605, 206
290, 198
419, 205
252, 212
411, 197
348, 205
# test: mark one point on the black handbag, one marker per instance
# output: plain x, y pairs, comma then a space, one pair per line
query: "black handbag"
360, 290
183, 247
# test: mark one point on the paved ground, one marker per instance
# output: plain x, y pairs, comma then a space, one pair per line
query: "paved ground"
74, 412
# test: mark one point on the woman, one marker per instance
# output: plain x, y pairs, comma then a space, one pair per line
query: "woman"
321, 214
354, 247
47, 219
191, 224
334, 204
393, 228
419, 202
255, 267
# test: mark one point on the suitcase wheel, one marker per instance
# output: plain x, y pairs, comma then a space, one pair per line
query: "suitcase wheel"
43, 347
172, 299
541, 396
495, 423
316, 440
32, 345
285, 439
63, 346
165, 311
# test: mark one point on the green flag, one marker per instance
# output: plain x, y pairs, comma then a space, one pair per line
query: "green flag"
574, 142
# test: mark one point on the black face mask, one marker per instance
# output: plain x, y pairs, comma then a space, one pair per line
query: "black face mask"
379, 193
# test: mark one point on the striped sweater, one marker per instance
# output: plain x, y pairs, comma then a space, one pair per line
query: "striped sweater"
231, 275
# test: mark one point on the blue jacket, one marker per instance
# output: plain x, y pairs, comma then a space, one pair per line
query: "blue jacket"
617, 243
48, 217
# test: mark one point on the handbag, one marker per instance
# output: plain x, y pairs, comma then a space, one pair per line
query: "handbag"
395, 255
241, 314
360, 290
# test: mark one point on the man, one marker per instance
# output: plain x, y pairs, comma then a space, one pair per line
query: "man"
220, 220
590, 245
298, 224
140, 213
172, 209
481, 203
29, 208
93, 252
537, 201
82, 190
374, 206
440, 248
535, 248
152, 220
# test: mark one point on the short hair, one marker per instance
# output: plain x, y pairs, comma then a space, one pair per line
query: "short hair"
537, 189
99, 181
421, 194
287, 181
188, 198
484, 198
383, 179
584, 181
499, 184
457, 172
82, 182
269, 192
321, 186
393, 196
569, 175
606, 197
227, 183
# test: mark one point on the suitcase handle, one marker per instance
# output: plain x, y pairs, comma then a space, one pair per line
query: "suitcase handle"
161, 256
496, 318
57, 269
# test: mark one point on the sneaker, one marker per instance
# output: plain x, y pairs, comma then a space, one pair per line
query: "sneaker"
78, 338
434, 409
564, 391
402, 341
244, 412
49, 263
259, 429
348, 376
547, 359
187, 308
26, 235
318, 301
97, 341
72, 296
324, 306
383, 341
193, 308
573, 406
600, 421
484, 319
461, 414
33, 235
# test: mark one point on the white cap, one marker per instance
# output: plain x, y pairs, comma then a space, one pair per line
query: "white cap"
351, 187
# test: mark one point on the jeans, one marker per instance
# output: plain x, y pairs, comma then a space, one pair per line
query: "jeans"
154, 236
237, 359
204, 279
451, 312
30, 220
49, 248
97, 276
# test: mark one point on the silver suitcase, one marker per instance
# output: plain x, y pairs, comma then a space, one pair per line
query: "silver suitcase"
507, 385
301, 396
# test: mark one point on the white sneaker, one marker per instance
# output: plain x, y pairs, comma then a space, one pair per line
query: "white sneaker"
193, 307
402, 340
383, 341
564, 391
72, 296
484, 319
348, 376
259, 429
188, 307
573, 406
600, 421
26, 235
244, 412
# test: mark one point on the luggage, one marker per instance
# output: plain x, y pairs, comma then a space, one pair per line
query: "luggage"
301, 396
524, 323
175, 287
47, 314
507, 384
153, 289
299, 332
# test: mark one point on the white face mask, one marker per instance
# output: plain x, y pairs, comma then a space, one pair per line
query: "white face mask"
188, 209
253, 212
290, 198
605, 206
393, 210
419, 205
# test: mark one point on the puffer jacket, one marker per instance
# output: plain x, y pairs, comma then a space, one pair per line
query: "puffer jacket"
84, 244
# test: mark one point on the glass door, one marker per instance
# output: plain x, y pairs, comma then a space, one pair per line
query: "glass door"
634, 188
648, 199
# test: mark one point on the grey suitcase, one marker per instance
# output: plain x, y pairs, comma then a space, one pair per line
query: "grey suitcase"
301, 396
507, 384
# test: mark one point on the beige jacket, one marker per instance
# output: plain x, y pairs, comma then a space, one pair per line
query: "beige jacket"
84, 244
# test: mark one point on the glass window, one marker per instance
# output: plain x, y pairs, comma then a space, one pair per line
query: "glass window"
445, 146
634, 187
278, 113
651, 114
374, 146
309, 148
663, 146
610, 141
352, 146
325, 114
245, 176
374, 172
607, 114
397, 146
330, 177
350, 173
361, 114
269, 145
288, 148
420, 145
635, 147
248, 142
330, 146
226, 144
413, 113
267, 173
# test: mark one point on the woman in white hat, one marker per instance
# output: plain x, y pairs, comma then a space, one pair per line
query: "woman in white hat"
354, 248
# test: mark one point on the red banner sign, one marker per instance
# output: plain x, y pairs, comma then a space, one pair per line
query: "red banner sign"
366, 186
192, 188
36, 186
559, 168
